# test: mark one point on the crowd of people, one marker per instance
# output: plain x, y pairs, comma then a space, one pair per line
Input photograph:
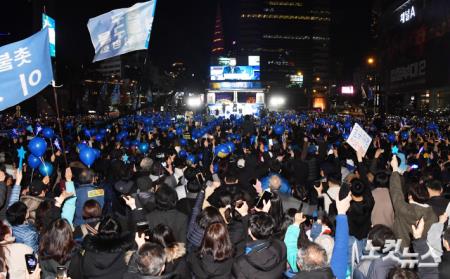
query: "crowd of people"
283, 196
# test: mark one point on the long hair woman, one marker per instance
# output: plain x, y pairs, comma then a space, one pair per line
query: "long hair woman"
175, 251
56, 248
215, 256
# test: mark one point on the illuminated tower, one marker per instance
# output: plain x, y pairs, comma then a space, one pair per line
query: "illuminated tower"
218, 40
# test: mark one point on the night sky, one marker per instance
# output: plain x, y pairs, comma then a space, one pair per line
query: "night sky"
182, 30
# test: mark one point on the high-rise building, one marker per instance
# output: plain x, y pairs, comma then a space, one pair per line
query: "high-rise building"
218, 40
414, 70
292, 38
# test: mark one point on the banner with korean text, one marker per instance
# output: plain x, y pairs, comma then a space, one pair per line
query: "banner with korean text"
121, 31
25, 69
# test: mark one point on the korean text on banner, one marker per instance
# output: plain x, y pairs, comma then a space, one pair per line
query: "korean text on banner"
359, 139
121, 31
25, 69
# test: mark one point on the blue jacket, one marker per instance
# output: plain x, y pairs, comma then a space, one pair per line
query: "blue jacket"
84, 193
28, 235
339, 258
285, 187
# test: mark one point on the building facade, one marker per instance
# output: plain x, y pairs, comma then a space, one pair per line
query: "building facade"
292, 39
414, 38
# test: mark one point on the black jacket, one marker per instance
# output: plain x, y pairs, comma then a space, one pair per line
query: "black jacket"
444, 266
176, 220
206, 268
4, 194
102, 258
267, 259
439, 205
324, 273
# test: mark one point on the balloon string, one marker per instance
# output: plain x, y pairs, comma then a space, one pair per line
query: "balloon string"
32, 174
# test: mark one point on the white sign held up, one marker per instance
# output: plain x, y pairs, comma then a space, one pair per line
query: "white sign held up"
359, 139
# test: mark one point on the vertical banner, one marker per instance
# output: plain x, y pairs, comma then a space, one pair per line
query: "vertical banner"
121, 31
25, 69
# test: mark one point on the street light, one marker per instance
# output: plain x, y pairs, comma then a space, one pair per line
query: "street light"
370, 60
317, 79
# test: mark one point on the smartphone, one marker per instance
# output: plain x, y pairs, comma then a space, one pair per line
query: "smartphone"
143, 228
61, 272
31, 261
270, 142
414, 166
200, 178
264, 197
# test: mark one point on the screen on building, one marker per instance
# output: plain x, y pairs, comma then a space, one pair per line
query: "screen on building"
224, 96
253, 60
246, 97
347, 89
222, 73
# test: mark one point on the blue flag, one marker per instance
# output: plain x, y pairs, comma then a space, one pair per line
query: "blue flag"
25, 69
121, 31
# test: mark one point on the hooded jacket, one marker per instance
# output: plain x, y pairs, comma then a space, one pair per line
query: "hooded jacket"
206, 268
264, 259
102, 258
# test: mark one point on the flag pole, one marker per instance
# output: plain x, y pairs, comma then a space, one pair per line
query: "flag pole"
58, 119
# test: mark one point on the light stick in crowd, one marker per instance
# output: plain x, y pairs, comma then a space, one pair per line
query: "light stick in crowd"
21, 155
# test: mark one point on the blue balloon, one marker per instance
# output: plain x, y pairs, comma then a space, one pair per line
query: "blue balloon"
191, 158
231, 146
99, 137
48, 133
127, 143
143, 147
97, 153
183, 142
81, 146
37, 146
87, 156
391, 138
122, 135
345, 136
33, 161
179, 131
46, 169
405, 135
148, 121
171, 135
216, 168
222, 151
278, 129
182, 154
134, 143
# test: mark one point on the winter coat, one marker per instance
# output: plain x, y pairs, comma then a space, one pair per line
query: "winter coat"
264, 259
444, 266
4, 193
439, 204
206, 268
15, 258
176, 220
102, 258
383, 211
195, 232
407, 214
26, 234
176, 261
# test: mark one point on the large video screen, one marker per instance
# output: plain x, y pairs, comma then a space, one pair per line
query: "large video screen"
222, 73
